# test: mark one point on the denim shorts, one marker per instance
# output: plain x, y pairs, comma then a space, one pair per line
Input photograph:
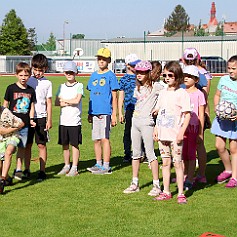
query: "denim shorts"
23, 137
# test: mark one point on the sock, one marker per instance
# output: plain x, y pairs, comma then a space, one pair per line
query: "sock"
74, 167
156, 182
99, 162
106, 165
18, 170
67, 166
135, 180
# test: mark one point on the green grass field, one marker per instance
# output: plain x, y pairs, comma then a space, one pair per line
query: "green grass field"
90, 205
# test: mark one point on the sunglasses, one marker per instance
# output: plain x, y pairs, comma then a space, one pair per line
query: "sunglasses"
69, 72
167, 75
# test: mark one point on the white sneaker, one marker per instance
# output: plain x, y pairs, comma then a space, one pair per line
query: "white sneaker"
72, 172
155, 191
64, 170
133, 188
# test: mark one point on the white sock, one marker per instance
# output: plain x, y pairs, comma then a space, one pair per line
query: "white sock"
156, 182
135, 180
74, 167
99, 162
106, 165
67, 166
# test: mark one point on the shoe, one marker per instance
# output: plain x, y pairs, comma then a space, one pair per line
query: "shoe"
223, 177
72, 173
163, 196
133, 188
232, 183
96, 167
8, 181
17, 174
65, 170
41, 176
181, 199
102, 171
127, 159
187, 185
26, 174
155, 191
200, 179
2, 184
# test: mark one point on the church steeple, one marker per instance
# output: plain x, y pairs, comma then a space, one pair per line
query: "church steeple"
213, 20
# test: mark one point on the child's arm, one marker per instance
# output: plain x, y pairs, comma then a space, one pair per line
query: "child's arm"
217, 98
182, 130
120, 106
155, 134
73, 101
49, 113
201, 112
5, 103
32, 114
114, 108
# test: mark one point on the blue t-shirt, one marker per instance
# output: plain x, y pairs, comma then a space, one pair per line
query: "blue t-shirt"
228, 88
101, 87
127, 84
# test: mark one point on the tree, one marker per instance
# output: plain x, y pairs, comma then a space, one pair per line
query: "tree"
177, 21
50, 45
13, 36
219, 30
32, 37
78, 36
199, 31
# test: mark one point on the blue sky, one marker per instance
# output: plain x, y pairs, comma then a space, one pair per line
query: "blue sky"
105, 19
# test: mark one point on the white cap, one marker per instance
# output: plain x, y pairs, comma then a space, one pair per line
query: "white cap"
132, 59
191, 70
70, 66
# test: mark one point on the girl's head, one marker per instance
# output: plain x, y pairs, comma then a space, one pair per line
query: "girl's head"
190, 56
173, 74
191, 75
232, 67
143, 72
156, 70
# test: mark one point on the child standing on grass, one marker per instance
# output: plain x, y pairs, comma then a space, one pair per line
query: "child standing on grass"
43, 113
127, 85
195, 127
69, 98
227, 129
103, 86
20, 99
146, 93
9, 139
173, 108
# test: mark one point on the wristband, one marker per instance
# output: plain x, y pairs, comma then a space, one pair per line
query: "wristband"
31, 118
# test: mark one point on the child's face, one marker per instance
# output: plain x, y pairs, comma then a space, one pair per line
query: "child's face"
141, 76
102, 62
70, 75
23, 77
189, 81
38, 72
169, 78
232, 70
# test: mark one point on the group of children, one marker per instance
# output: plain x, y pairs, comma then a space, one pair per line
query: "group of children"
173, 112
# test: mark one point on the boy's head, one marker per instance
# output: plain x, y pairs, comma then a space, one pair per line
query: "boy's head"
23, 72
131, 60
191, 71
39, 64
232, 67
70, 69
190, 56
103, 58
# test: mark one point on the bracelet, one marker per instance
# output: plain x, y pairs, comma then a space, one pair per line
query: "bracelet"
31, 118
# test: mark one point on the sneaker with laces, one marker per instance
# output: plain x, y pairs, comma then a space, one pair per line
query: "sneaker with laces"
26, 174
223, 177
2, 184
232, 183
72, 173
163, 196
102, 171
155, 191
96, 167
8, 181
41, 176
64, 170
133, 188
17, 174
181, 199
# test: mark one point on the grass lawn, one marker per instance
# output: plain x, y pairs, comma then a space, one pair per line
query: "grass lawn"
90, 205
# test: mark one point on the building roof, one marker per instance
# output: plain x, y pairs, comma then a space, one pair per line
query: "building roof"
230, 27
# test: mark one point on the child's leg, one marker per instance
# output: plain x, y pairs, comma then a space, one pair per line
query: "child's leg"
66, 154
8, 158
28, 156
202, 157
233, 152
98, 151
166, 165
19, 158
75, 155
42, 156
223, 153
127, 134
106, 149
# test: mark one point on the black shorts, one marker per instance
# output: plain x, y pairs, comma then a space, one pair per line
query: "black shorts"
69, 135
41, 136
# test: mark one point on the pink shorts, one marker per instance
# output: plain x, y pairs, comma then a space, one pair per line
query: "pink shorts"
189, 146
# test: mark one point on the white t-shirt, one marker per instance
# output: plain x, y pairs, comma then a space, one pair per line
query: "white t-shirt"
43, 91
70, 115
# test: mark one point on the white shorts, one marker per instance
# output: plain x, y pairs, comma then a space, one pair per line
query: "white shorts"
101, 125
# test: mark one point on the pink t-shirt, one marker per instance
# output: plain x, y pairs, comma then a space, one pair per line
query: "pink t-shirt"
171, 105
197, 99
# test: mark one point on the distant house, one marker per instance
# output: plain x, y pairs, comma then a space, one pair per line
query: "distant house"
230, 28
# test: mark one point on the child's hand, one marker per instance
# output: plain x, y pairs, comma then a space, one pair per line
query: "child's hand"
121, 118
114, 120
180, 138
154, 112
32, 123
234, 118
155, 134
48, 124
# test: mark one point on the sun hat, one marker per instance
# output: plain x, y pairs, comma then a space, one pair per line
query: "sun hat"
190, 54
70, 66
132, 59
143, 66
191, 70
104, 52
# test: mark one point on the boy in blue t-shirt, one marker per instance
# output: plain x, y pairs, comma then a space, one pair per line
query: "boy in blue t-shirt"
103, 86
127, 102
